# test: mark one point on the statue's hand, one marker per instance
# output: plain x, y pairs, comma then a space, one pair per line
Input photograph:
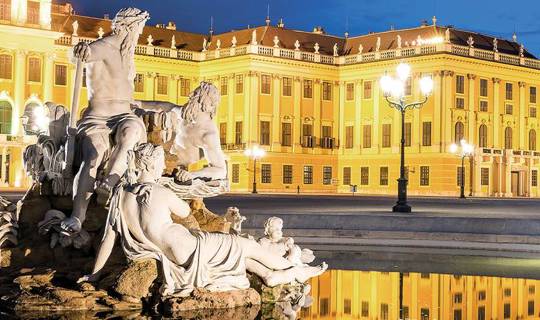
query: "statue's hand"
71, 225
183, 176
82, 51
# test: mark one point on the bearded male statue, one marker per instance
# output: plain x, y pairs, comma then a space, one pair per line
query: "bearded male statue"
108, 128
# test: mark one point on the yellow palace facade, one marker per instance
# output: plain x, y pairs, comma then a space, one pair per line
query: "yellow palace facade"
311, 100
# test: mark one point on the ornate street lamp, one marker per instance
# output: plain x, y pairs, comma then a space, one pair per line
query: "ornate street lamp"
254, 153
464, 150
394, 92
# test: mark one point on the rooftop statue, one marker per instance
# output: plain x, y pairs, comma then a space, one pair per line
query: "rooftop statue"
108, 128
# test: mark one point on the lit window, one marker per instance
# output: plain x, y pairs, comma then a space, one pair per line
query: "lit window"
508, 138
6, 62
287, 87
184, 87
346, 176
349, 137
327, 175
287, 174
387, 135
5, 10
509, 91
60, 75
308, 174
532, 94
308, 89
32, 12
162, 84
286, 134
138, 82
224, 86
367, 136
238, 133
459, 132
408, 131
532, 140
350, 91
364, 176
5, 117
235, 173
327, 90
34, 69
483, 87
460, 103
509, 109
383, 178
484, 180
266, 173
534, 180
265, 133
367, 89
239, 83
482, 136
424, 175
265, 83
223, 133
460, 84
483, 105
532, 112
426, 134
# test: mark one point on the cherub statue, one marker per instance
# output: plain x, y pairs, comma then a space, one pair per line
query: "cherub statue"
283, 246
235, 218
140, 214
110, 73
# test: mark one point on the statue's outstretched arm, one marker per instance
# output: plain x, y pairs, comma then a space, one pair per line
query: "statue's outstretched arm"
98, 50
156, 105
217, 167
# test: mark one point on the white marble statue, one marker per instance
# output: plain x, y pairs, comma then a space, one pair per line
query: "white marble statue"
110, 73
235, 218
140, 215
274, 242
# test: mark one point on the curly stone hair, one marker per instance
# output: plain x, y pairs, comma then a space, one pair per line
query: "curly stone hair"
142, 158
203, 99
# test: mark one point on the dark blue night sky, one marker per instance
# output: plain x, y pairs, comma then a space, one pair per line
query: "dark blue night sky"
499, 18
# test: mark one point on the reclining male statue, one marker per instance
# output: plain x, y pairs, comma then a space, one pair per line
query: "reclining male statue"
140, 214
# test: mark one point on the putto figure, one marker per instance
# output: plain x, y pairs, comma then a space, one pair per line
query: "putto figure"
140, 214
108, 129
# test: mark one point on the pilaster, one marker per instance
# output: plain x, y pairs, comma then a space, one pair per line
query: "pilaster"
523, 132
19, 90
471, 110
297, 96
230, 110
276, 117
341, 116
437, 111
496, 113
357, 118
317, 106
48, 76
150, 86
448, 103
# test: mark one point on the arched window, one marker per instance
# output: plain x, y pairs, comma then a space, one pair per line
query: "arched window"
532, 140
459, 131
5, 117
482, 136
508, 138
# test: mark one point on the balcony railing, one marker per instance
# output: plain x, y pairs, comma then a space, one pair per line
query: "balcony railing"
284, 53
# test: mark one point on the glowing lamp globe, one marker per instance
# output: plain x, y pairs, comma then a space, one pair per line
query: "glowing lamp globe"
426, 85
403, 71
453, 148
386, 84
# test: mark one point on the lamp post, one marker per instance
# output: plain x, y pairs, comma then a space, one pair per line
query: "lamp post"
394, 93
255, 153
464, 150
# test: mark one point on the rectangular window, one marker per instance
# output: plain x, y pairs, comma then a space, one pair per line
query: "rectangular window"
383, 177
184, 87
534, 178
532, 112
6, 62
424, 175
308, 89
34, 69
235, 173
481, 295
266, 173
387, 135
327, 90
5, 10
287, 174
367, 89
509, 91
138, 82
507, 292
366, 143
426, 133
265, 133
484, 176
327, 175
60, 75
224, 85
287, 87
286, 134
346, 176
457, 314
459, 176
238, 133
458, 298
483, 87
347, 306
509, 109
532, 94
408, 132
384, 311
424, 314
408, 87
507, 311
239, 83
530, 308
460, 103
365, 308
482, 313
326, 131
308, 174
364, 176
32, 12
266, 83
349, 137
162, 84
223, 133
350, 91
307, 130
483, 105
532, 289
460, 84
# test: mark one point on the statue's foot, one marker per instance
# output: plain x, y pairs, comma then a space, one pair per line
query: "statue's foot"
90, 278
305, 273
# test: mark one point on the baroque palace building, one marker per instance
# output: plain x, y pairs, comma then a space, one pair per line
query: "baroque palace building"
311, 100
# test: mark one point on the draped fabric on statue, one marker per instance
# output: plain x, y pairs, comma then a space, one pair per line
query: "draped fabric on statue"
217, 264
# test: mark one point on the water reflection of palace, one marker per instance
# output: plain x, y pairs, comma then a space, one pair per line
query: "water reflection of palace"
374, 295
